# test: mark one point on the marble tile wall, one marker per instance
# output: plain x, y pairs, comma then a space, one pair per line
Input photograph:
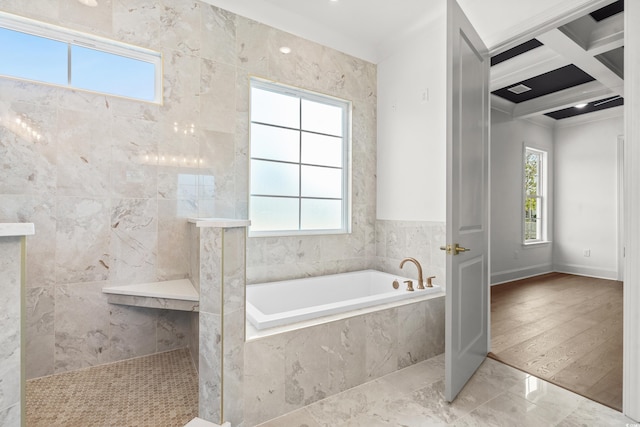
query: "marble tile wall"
287, 371
421, 240
317, 68
107, 212
10, 328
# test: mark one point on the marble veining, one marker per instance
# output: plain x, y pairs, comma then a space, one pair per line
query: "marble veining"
112, 181
10, 327
135, 328
307, 365
40, 306
221, 280
497, 395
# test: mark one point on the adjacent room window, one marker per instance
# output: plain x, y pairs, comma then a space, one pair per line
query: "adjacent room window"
299, 161
39, 52
535, 195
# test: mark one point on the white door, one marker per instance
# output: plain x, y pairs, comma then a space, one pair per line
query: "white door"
467, 299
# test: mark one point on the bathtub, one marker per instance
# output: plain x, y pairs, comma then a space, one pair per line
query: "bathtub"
282, 303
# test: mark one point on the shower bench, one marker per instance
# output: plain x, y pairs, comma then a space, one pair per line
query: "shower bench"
171, 295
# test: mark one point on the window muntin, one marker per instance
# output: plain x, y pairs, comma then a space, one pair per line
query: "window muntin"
299, 161
534, 215
49, 54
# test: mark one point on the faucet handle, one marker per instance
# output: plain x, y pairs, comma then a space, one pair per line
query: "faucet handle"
409, 285
429, 284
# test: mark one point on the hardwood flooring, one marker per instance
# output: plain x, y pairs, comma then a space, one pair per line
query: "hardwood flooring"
565, 329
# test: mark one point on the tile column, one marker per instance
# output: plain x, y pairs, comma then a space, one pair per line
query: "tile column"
12, 303
219, 245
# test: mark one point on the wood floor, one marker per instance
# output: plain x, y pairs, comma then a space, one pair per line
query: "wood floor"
565, 329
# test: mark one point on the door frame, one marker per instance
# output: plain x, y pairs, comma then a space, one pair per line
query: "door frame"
631, 209
631, 322
620, 218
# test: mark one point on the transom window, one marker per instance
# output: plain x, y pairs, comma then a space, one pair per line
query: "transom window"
535, 191
299, 161
39, 52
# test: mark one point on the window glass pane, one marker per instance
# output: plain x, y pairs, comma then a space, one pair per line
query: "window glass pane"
110, 73
532, 172
531, 230
534, 222
297, 153
275, 108
32, 57
321, 182
321, 150
322, 118
268, 142
274, 179
273, 213
321, 214
531, 218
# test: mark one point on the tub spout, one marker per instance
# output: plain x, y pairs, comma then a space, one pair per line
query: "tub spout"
415, 261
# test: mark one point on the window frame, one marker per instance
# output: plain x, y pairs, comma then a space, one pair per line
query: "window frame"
542, 196
346, 184
84, 40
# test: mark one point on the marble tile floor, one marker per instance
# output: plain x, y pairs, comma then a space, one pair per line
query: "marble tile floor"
160, 390
497, 395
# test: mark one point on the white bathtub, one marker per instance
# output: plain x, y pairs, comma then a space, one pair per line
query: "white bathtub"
281, 303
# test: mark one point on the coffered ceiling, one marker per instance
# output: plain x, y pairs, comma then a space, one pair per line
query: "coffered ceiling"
578, 63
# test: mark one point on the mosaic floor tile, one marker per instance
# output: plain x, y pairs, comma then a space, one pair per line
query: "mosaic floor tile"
160, 390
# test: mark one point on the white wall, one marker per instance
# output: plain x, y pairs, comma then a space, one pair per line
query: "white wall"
586, 207
510, 259
411, 165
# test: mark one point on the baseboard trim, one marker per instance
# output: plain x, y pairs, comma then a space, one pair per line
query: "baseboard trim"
520, 273
582, 270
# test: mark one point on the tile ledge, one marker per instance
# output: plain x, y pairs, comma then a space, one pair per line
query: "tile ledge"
220, 222
181, 289
8, 229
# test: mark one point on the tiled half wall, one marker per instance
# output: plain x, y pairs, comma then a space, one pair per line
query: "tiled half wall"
287, 371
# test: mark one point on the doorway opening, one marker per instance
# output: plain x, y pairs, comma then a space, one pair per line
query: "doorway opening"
535, 315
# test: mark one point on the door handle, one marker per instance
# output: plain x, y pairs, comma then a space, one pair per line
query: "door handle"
454, 249
446, 248
459, 249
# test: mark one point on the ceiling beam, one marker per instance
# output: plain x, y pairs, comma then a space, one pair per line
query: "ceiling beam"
581, 119
566, 98
553, 18
614, 59
501, 104
596, 37
578, 55
607, 35
524, 66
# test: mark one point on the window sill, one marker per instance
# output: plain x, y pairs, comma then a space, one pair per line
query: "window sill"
296, 233
536, 244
